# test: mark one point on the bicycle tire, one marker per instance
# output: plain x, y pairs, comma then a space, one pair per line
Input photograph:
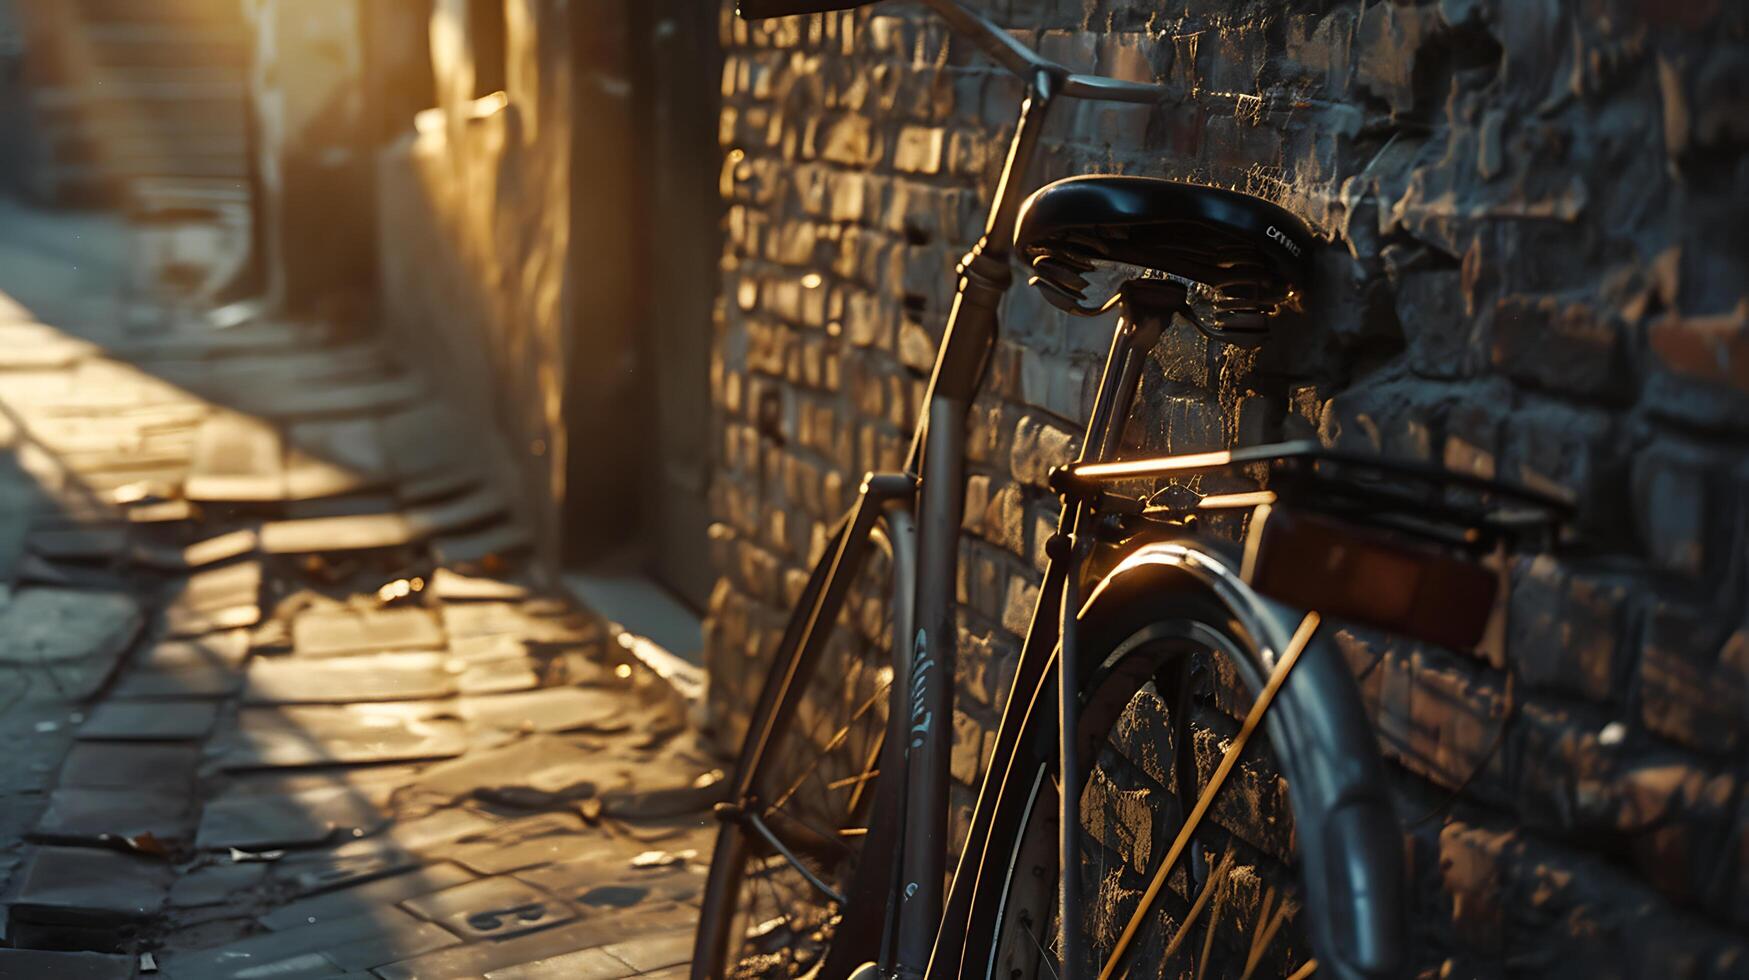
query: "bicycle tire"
723, 910
1136, 633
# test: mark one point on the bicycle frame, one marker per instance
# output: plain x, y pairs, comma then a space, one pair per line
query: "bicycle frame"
930, 492
911, 814
1145, 308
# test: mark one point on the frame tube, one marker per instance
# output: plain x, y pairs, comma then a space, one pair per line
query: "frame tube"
938, 457
930, 711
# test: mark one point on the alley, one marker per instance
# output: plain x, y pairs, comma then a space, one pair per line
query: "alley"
280, 693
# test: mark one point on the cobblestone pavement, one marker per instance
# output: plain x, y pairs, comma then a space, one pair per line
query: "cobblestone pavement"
281, 696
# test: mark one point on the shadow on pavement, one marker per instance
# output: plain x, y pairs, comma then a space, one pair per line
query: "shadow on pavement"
285, 696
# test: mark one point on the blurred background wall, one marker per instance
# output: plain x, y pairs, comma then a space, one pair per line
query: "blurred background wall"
549, 235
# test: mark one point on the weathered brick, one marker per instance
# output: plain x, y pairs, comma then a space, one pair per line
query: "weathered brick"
1038, 447
1017, 607
1701, 366
1572, 346
1564, 630
1692, 677
1677, 507
972, 742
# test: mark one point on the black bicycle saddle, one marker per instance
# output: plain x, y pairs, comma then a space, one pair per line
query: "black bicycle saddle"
1249, 251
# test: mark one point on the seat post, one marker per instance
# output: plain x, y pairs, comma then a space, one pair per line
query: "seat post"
1145, 307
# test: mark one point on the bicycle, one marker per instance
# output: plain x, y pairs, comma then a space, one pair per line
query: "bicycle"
850, 852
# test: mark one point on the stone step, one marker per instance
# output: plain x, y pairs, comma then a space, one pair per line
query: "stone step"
105, 77
228, 12
102, 147
162, 162
155, 98
85, 184
164, 45
72, 136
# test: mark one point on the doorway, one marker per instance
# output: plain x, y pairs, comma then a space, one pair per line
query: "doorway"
646, 242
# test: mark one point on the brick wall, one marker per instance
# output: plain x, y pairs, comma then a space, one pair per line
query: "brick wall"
1533, 267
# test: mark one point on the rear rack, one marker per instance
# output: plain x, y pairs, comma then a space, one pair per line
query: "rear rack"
1418, 498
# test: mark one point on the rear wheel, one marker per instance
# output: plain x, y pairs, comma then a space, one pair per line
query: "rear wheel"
1169, 677
788, 851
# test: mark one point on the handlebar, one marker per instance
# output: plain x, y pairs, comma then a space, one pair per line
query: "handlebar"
1028, 64
995, 42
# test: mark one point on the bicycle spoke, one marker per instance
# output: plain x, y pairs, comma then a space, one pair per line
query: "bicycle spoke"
809, 804
836, 740
1265, 933
1302, 637
1043, 956
1203, 897
871, 757
1208, 935
862, 777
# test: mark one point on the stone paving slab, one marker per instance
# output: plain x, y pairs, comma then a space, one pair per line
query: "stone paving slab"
37, 964
551, 709
80, 543
327, 633
311, 478
150, 512
363, 677
278, 954
257, 822
357, 532
437, 486
474, 548
237, 458
654, 951
352, 503
391, 946
494, 907
501, 675
478, 959
215, 884
605, 879
452, 586
223, 547
215, 599
85, 815
384, 891
352, 446
471, 510
166, 766
420, 441
308, 735
61, 626
310, 872
541, 764
582, 964
440, 827
100, 883
149, 721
